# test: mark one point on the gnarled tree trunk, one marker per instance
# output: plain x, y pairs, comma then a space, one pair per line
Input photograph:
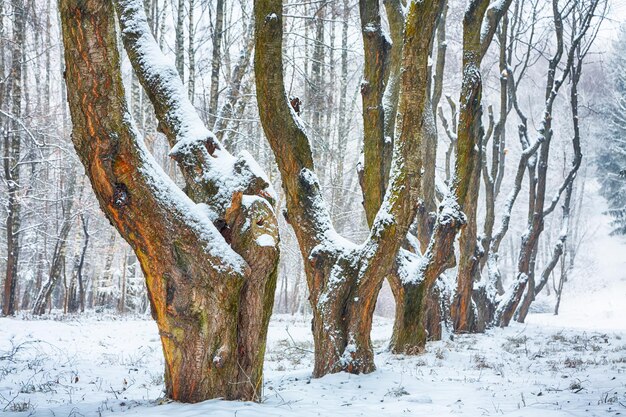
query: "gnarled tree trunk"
344, 278
381, 97
479, 26
210, 285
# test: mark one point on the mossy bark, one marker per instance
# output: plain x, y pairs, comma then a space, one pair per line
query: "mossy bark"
211, 307
409, 334
384, 62
479, 26
377, 146
344, 279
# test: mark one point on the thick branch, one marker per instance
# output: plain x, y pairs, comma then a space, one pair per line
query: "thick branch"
152, 214
376, 148
492, 18
212, 175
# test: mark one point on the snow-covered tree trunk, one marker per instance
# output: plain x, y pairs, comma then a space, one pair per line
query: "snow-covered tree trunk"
77, 299
479, 26
344, 279
191, 51
380, 92
209, 262
427, 212
581, 23
576, 71
12, 159
511, 76
179, 44
218, 33
493, 172
377, 147
60, 248
235, 89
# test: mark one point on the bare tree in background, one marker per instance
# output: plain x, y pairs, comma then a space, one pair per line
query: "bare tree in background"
585, 18
12, 158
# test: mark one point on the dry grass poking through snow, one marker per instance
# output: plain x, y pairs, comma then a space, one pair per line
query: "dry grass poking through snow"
107, 365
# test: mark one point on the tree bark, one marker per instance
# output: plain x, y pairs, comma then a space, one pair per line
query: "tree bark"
77, 295
191, 51
532, 291
236, 87
479, 26
377, 147
179, 44
81, 264
12, 159
343, 278
218, 31
211, 293
58, 257
420, 307
470, 135
537, 210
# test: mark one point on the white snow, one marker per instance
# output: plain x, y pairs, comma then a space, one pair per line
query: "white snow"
595, 293
573, 364
107, 365
170, 197
228, 173
370, 27
265, 240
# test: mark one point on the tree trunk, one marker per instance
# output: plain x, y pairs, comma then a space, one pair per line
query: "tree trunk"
418, 316
377, 147
575, 55
58, 257
218, 32
121, 302
12, 152
81, 264
479, 26
343, 278
106, 276
211, 291
470, 136
492, 175
191, 52
235, 88
179, 44
559, 290
427, 213
559, 247
381, 96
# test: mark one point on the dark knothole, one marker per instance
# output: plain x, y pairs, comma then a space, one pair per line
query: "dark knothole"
121, 196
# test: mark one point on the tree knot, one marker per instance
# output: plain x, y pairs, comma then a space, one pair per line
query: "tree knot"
121, 196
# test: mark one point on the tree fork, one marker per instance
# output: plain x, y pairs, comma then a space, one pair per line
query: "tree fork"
479, 27
204, 293
343, 278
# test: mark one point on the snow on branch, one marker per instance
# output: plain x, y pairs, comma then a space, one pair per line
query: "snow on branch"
492, 18
194, 216
162, 81
212, 174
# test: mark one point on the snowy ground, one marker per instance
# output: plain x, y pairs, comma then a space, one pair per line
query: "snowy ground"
111, 366
573, 364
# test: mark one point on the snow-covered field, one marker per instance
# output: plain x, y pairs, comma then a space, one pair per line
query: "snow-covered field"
573, 364
109, 366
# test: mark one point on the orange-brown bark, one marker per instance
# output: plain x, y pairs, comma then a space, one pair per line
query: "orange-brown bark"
211, 299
